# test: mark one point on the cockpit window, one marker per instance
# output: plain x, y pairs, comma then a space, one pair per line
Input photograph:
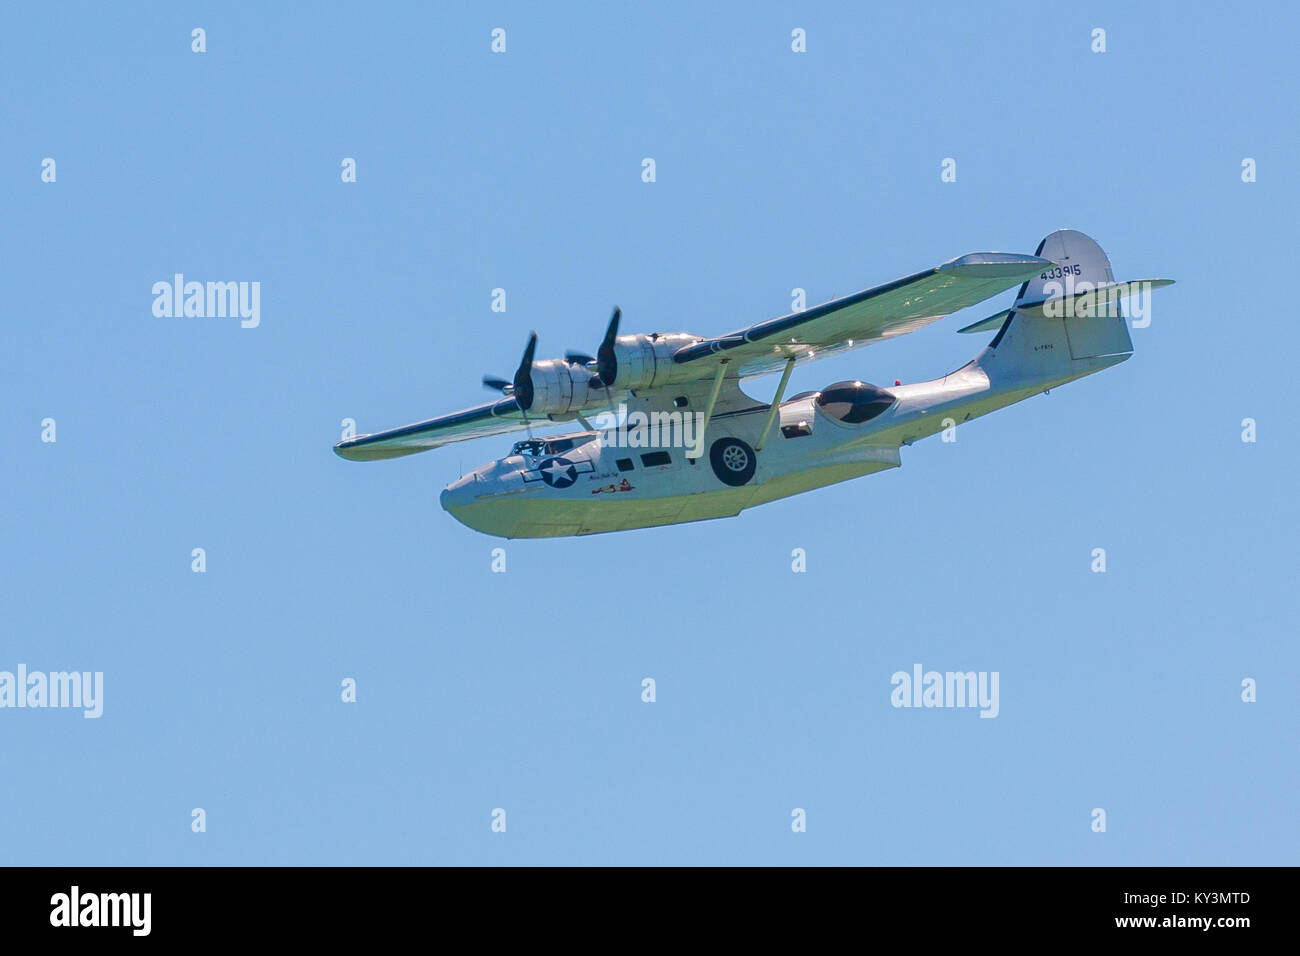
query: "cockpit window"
853, 402
538, 447
530, 447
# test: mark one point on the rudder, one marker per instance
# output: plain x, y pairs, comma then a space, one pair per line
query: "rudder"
1069, 336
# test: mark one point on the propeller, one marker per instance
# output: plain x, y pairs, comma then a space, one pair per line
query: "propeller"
606, 362
523, 382
521, 386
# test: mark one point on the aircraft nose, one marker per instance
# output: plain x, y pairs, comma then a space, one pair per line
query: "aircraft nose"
458, 493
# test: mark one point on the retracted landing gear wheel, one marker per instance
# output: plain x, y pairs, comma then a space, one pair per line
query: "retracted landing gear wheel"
733, 461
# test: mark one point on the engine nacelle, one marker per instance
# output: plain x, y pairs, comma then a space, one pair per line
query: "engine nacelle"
646, 360
560, 387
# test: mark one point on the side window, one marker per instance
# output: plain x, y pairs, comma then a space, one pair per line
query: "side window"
625, 464
650, 459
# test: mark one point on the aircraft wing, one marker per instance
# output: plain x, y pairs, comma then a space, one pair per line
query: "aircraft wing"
892, 309
869, 316
490, 418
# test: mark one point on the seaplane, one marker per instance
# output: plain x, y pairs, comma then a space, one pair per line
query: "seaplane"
680, 440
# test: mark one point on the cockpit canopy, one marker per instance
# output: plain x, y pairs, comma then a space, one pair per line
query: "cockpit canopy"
539, 447
853, 402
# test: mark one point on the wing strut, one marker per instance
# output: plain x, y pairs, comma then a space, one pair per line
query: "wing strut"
713, 396
776, 404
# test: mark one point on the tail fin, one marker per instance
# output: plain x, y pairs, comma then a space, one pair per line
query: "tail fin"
1078, 259
1061, 327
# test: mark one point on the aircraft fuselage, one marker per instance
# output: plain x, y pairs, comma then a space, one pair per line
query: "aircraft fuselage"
598, 484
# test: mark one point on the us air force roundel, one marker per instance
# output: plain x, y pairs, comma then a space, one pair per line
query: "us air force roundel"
559, 472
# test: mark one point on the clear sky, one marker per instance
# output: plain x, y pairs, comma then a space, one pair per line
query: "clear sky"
522, 170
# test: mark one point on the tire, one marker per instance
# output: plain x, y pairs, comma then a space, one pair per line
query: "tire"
733, 461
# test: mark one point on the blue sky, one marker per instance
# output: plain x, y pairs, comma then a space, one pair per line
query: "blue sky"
522, 690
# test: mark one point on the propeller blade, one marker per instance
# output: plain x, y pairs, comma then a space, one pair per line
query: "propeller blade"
578, 358
606, 361
524, 375
499, 384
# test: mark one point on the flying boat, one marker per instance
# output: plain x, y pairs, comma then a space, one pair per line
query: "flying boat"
683, 442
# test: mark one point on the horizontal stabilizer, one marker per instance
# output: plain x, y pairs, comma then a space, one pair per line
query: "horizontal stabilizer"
1090, 302
991, 324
